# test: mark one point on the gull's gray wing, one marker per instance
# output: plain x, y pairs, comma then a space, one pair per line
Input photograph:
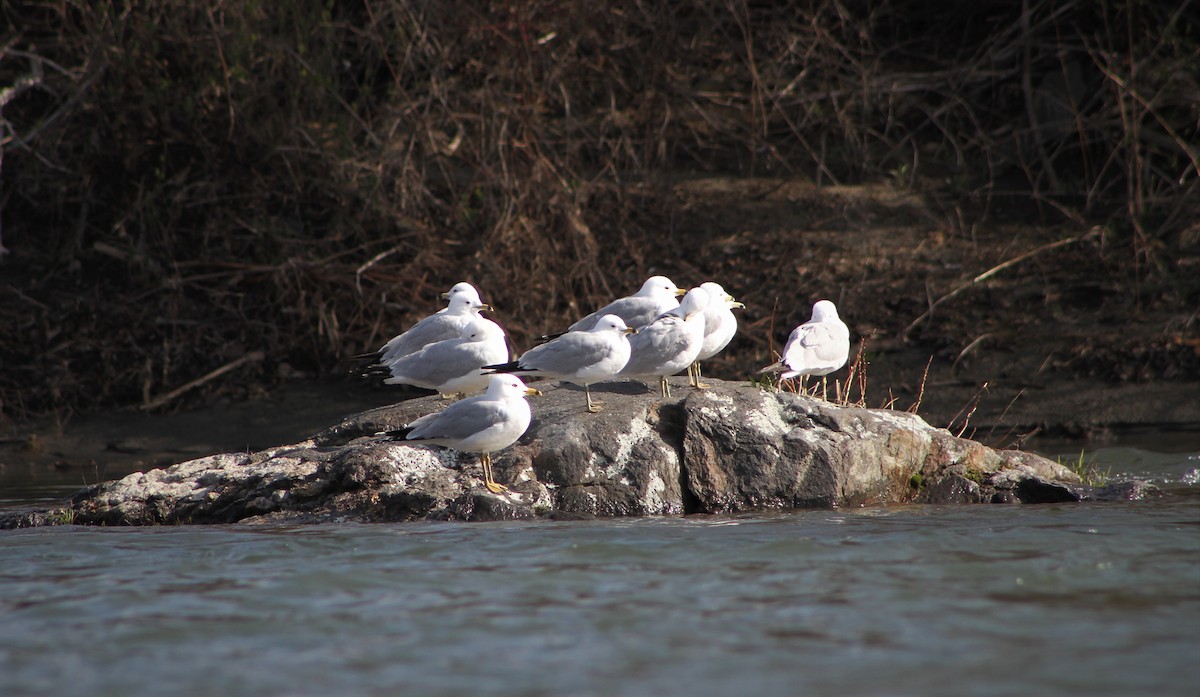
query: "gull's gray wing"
460, 420
569, 353
815, 342
655, 345
635, 311
434, 328
827, 341
435, 364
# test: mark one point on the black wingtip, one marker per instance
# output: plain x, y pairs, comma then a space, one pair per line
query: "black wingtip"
396, 433
359, 363
375, 371
509, 367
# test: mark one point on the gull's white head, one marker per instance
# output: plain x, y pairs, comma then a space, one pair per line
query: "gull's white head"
695, 301
480, 329
461, 287
503, 386
657, 287
466, 303
823, 311
612, 323
717, 294
466, 291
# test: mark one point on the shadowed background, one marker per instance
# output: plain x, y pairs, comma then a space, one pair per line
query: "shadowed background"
270, 188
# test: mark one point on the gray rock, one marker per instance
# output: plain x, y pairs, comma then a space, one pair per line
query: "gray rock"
1132, 490
732, 447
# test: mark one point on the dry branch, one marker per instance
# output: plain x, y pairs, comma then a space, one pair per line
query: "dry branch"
162, 400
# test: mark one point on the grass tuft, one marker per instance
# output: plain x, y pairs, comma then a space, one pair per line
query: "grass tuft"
1089, 472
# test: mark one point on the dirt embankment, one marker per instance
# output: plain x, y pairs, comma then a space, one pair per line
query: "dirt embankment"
200, 203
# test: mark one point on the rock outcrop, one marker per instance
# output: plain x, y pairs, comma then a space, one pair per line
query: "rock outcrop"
730, 448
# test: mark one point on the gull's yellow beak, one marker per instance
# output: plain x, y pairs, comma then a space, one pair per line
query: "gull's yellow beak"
680, 292
487, 307
734, 303
532, 391
630, 330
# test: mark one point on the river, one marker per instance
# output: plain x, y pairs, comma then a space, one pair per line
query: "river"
1081, 599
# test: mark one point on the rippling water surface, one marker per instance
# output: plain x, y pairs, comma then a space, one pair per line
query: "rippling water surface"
1092, 599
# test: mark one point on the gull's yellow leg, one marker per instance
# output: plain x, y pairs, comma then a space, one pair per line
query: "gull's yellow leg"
485, 459
593, 407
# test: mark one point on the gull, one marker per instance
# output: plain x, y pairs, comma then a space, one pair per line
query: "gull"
670, 343
818, 347
581, 357
656, 296
483, 424
719, 327
447, 323
453, 366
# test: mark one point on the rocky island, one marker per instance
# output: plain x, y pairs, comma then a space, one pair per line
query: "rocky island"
732, 447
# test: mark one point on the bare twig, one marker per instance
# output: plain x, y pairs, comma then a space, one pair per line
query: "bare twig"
252, 357
969, 409
921, 391
988, 274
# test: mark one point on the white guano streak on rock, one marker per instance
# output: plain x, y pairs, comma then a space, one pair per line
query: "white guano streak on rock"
655, 489
767, 417
617, 468
904, 420
412, 465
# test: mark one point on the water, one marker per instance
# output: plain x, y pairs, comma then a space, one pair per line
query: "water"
1095, 599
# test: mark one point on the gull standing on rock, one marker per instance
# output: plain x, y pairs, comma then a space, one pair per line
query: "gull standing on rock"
484, 424
670, 343
818, 347
447, 323
656, 296
719, 327
581, 357
454, 366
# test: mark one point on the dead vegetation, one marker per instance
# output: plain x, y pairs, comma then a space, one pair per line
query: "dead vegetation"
186, 184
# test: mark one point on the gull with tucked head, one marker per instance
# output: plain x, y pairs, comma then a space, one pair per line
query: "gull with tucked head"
818, 347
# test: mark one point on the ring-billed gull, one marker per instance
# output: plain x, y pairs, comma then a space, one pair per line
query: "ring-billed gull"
463, 306
656, 296
483, 424
719, 326
670, 343
818, 347
579, 357
453, 366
